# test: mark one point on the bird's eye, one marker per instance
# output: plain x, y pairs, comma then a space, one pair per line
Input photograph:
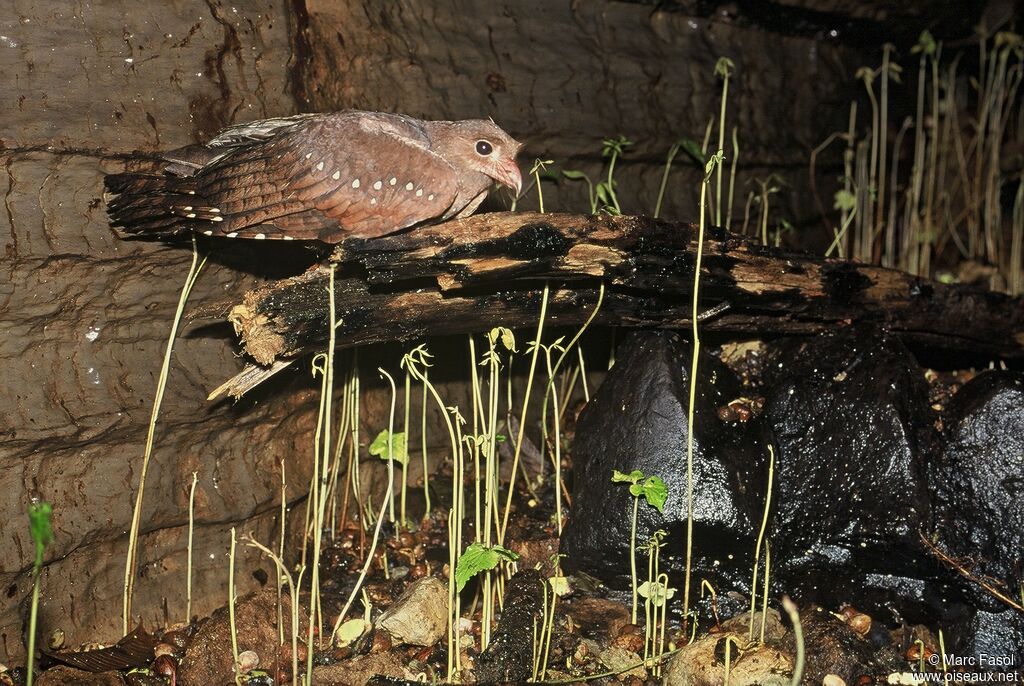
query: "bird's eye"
484, 148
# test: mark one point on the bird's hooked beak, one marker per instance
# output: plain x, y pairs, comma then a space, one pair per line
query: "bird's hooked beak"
506, 172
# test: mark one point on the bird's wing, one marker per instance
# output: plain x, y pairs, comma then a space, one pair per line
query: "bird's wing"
353, 174
256, 131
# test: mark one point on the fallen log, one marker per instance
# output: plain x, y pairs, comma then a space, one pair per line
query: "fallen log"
488, 270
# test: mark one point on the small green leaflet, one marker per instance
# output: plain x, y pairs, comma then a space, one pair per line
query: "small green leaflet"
650, 488
479, 558
39, 526
656, 591
633, 477
399, 450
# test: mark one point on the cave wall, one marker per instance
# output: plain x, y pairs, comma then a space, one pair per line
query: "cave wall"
84, 316
562, 76
91, 88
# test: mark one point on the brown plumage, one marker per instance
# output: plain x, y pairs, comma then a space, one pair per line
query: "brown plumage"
318, 177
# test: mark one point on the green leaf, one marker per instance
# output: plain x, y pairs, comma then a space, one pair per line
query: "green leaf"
621, 477
479, 558
574, 174
560, 585
655, 492
724, 67
925, 43
656, 591
712, 162
40, 527
692, 150
399, 449
845, 200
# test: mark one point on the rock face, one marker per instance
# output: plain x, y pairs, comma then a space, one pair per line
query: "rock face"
615, 68
208, 658
84, 316
637, 420
978, 484
849, 415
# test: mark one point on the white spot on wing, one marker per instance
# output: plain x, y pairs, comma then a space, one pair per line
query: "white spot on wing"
233, 234
320, 165
260, 236
377, 185
207, 233
217, 219
308, 155
430, 197
289, 238
355, 183
191, 215
336, 175
373, 201
419, 192
409, 186
393, 181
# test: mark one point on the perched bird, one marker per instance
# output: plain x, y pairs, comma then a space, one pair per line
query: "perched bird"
321, 177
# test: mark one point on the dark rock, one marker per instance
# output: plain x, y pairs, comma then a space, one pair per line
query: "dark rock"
832, 647
849, 413
638, 420
997, 634
978, 483
509, 656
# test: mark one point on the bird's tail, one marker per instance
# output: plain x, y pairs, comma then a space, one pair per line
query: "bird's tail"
153, 205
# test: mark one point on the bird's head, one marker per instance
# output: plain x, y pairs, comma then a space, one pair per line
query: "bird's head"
481, 146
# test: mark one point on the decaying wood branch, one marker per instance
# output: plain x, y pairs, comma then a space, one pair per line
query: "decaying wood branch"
475, 273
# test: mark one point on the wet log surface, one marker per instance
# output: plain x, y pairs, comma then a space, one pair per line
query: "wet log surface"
488, 270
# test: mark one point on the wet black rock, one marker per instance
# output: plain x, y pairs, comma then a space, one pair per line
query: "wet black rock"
637, 420
978, 482
996, 634
978, 488
850, 417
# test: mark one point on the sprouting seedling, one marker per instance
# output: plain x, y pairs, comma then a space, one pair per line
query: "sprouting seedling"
539, 166
391, 446
398, 449
925, 44
480, 558
653, 490
692, 149
612, 148
845, 202
723, 69
576, 175
41, 529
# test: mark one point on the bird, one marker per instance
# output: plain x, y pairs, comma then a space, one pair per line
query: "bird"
318, 177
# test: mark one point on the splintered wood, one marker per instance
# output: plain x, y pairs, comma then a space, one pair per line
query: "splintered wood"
475, 273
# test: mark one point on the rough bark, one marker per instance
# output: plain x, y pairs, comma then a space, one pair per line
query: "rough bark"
472, 274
